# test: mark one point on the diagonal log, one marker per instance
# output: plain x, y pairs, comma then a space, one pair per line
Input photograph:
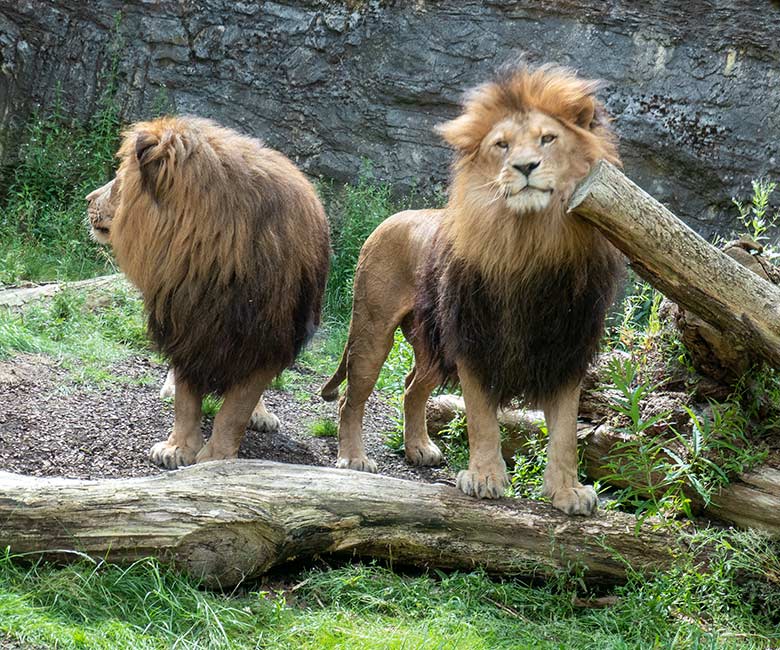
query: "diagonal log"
230, 520
680, 263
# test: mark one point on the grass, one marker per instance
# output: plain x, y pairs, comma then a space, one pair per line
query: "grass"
42, 208
324, 428
147, 605
84, 338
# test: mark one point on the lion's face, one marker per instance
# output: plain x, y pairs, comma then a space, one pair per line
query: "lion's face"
524, 141
527, 159
101, 207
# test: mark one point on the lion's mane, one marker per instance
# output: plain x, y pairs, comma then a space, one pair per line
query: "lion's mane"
521, 299
228, 243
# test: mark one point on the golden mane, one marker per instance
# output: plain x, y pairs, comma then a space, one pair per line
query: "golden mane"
550, 89
482, 230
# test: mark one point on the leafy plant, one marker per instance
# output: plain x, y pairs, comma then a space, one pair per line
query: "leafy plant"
354, 212
210, 405
659, 474
755, 216
527, 473
399, 362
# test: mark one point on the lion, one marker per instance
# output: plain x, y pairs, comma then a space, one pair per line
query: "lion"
502, 290
228, 243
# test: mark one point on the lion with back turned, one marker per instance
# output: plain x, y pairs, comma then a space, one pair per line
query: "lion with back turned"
228, 243
502, 290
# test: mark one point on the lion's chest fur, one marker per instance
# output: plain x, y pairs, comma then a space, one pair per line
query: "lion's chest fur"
527, 337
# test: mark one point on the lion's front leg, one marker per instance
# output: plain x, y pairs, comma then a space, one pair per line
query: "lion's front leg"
560, 476
486, 476
186, 439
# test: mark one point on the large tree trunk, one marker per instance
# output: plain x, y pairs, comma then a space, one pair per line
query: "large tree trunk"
682, 265
226, 521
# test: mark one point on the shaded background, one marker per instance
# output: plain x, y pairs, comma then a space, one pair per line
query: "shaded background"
694, 87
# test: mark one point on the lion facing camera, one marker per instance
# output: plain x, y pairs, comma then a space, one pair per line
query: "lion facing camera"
501, 290
228, 243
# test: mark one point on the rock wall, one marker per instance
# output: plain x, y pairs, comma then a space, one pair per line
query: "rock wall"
694, 87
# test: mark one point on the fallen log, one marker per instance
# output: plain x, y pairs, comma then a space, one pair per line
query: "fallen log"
680, 263
18, 297
231, 520
751, 500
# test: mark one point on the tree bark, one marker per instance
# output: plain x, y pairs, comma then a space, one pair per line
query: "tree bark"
230, 520
679, 263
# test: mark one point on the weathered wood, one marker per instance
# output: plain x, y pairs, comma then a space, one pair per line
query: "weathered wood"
678, 262
229, 520
751, 500
21, 296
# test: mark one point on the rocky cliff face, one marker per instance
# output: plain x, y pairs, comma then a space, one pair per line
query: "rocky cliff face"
694, 87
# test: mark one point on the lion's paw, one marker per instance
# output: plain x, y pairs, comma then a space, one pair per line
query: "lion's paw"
428, 455
265, 422
171, 456
491, 485
580, 500
362, 464
211, 452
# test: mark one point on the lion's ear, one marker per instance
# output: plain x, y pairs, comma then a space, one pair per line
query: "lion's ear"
460, 134
157, 156
586, 113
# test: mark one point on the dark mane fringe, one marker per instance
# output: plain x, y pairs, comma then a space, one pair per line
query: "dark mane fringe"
528, 341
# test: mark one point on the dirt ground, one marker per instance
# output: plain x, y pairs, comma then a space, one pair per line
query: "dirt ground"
51, 425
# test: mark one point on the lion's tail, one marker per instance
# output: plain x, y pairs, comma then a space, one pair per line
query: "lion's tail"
330, 391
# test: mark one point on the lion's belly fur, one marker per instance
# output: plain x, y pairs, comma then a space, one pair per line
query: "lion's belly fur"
529, 336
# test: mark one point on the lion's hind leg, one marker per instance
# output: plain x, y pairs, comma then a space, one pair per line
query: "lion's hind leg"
486, 476
420, 382
365, 354
561, 484
186, 439
169, 385
262, 419
231, 421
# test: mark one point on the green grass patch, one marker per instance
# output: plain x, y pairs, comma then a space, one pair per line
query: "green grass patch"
358, 607
324, 428
86, 339
43, 232
211, 405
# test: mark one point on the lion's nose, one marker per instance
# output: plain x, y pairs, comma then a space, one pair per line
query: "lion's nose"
527, 168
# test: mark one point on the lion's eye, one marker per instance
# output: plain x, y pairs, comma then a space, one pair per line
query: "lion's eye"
502, 144
548, 138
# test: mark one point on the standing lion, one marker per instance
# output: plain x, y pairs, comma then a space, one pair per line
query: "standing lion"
228, 243
501, 290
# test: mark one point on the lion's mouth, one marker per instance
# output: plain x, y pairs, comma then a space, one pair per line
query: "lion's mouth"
526, 189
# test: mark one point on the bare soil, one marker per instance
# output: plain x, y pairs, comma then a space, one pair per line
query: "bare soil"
52, 425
